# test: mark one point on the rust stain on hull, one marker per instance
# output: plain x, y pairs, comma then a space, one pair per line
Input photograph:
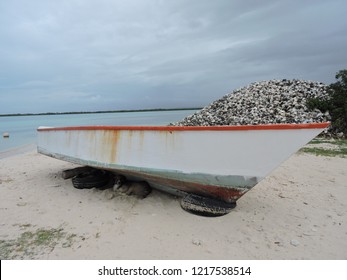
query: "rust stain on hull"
109, 144
223, 193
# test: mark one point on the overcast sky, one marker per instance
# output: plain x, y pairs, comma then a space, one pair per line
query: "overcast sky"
78, 55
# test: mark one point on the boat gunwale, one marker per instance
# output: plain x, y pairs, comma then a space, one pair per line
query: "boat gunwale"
194, 128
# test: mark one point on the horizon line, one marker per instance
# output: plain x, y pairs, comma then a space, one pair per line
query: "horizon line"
98, 112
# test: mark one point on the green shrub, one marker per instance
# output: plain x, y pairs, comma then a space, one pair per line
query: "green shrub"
335, 103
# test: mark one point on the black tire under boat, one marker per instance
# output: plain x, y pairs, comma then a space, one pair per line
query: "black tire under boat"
94, 178
205, 206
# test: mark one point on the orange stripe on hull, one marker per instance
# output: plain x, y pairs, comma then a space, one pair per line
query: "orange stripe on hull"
195, 128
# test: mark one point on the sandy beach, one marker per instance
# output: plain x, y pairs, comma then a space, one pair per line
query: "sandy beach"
298, 212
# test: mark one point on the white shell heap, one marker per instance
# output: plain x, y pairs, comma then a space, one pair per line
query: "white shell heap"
266, 102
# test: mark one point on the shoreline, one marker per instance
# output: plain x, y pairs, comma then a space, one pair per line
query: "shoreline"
297, 212
98, 112
19, 150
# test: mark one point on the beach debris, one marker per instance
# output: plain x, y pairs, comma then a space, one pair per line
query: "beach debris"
109, 194
140, 189
6, 180
55, 186
266, 102
22, 204
294, 242
6, 135
197, 242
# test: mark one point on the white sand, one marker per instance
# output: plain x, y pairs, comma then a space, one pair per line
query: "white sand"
298, 212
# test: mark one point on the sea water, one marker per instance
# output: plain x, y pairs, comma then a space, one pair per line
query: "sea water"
22, 129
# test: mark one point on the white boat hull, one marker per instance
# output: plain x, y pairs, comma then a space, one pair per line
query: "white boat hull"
221, 162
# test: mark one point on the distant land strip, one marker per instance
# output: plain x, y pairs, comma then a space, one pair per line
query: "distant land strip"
95, 112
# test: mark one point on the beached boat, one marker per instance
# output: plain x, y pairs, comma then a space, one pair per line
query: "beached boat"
215, 162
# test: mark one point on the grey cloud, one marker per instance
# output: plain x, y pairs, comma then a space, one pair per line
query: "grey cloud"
96, 55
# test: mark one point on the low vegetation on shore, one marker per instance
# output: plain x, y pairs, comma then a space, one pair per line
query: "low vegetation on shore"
326, 147
33, 243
